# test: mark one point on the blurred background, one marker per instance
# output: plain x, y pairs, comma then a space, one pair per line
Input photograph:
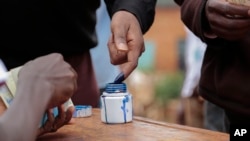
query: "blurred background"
157, 82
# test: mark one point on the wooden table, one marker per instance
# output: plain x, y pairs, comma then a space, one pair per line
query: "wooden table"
141, 129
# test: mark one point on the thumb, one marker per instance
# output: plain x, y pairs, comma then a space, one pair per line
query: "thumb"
120, 40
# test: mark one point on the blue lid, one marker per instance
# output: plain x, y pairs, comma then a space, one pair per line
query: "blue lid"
116, 88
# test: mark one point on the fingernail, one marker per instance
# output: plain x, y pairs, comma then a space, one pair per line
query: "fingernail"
122, 47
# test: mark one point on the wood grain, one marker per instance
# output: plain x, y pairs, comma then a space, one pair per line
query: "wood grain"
140, 129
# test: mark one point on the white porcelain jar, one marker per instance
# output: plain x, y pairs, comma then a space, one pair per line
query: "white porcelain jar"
116, 104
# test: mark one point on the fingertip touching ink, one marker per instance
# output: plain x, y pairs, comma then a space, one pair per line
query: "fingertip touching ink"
120, 77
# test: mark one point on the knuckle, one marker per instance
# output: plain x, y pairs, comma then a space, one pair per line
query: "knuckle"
134, 65
60, 55
113, 62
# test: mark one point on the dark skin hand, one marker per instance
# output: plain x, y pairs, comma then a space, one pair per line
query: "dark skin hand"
43, 83
126, 43
54, 123
61, 83
226, 20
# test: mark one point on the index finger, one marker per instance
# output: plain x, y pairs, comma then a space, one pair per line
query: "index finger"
128, 67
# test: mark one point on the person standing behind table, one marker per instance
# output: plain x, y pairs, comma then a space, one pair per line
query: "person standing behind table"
208, 116
43, 83
32, 29
105, 72
225, 78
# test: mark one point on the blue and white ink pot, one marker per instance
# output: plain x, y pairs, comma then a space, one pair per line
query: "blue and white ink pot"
116, 104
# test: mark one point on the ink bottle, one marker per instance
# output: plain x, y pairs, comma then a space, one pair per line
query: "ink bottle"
116, 104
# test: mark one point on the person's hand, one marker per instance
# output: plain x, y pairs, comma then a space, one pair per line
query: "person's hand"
51, 73
126, 43
52, 123
226, 20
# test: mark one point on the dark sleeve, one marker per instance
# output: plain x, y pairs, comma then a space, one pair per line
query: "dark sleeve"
194, 17
144, 10
179, 2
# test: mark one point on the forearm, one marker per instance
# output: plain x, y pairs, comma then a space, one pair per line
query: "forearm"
21, 120
144, 10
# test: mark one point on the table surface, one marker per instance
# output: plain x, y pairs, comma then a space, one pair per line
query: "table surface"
140, 129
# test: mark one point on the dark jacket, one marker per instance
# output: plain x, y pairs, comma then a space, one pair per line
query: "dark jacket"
31, 28
225, 73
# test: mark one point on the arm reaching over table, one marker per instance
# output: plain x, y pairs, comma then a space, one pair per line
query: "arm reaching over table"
43, 83
130, 20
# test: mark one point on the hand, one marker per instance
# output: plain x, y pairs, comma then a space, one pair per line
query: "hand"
226, 20
51, 73
126, 43
54, 123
